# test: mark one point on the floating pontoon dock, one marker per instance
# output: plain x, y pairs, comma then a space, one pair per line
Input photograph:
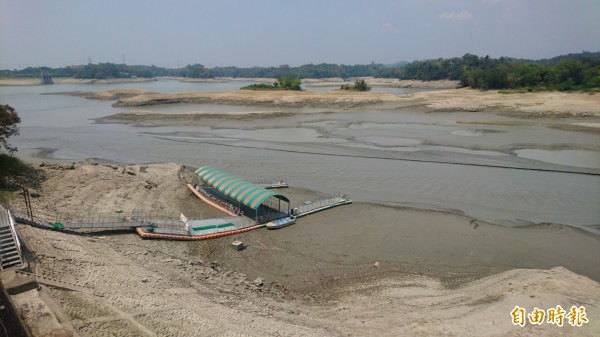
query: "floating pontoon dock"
273, 185
249, 206
320, 205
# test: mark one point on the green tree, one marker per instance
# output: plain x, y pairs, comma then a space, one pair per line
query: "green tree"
197, 71
569, 74
361, 85
290, 83
529, 75
8, 126
592, 77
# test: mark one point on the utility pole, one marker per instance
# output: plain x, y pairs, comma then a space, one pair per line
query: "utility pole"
123, 57
28, 207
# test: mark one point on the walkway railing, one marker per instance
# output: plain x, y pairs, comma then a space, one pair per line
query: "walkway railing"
312, 206
79, 220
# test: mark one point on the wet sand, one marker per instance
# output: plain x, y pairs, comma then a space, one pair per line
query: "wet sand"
342, 244
343, 241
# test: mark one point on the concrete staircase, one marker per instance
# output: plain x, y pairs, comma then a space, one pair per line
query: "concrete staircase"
10, 252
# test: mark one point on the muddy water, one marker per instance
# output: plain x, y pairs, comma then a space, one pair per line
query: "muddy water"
564, 157
360, 151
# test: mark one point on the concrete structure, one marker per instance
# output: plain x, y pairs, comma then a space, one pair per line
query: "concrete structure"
45, 78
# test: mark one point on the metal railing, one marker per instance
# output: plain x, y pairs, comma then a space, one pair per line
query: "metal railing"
77, 220
319, 203
269, 183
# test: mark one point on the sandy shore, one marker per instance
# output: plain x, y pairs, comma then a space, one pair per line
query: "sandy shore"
384, 82
267, 98
541, 104
224, 79
442, 274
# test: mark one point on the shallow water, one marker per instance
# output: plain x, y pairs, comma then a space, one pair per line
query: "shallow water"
335, 150
579, 158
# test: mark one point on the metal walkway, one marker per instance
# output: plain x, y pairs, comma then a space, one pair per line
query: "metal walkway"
145, 222
320, 205
91, 220
271, 184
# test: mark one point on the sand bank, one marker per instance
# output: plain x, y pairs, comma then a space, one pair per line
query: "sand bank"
527, 105
333, 82
107, 95
224, 79
383, 82
436, 276
538, 104
278, 98
581, 127
178, 118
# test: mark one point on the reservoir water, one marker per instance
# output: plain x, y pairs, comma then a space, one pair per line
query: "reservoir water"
378, 154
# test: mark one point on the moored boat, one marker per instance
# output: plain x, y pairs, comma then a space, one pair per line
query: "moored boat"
279, 223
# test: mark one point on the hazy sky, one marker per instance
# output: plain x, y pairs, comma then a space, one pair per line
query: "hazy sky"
275, 32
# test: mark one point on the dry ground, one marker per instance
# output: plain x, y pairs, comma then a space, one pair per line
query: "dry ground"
163, 288
526, 105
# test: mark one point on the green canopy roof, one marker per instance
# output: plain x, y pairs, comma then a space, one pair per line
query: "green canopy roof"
239, 190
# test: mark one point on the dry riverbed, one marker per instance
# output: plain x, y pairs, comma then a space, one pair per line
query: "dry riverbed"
436, 274
422, 272
526, 105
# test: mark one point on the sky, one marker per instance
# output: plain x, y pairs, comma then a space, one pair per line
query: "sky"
247, 33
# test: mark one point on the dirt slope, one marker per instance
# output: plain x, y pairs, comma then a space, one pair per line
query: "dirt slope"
164, 288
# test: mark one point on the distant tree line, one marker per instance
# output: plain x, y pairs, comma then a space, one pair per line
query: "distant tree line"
111, 70
569, 72
35, 72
